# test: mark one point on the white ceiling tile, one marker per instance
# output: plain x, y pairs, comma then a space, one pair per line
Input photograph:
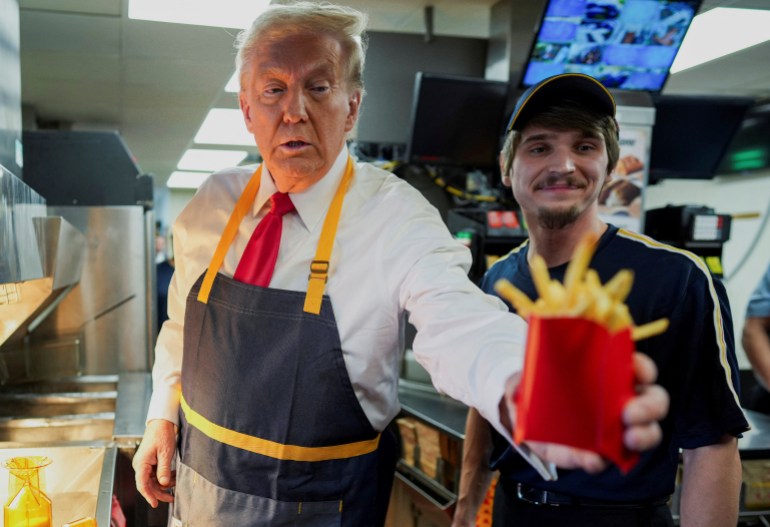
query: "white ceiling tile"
94, 35
45, 69
97, 7
164, 40
178, 75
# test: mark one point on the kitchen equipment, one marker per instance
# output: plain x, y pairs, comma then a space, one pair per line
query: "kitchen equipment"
696, 228
65, 343
41, 258
27, 505
79, 481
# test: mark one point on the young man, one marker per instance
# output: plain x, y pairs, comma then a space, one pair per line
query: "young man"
282, 374
561, 146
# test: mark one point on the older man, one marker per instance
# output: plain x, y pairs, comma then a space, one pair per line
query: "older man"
282, 374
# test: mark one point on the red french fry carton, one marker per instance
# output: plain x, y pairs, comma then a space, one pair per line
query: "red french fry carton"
577, 377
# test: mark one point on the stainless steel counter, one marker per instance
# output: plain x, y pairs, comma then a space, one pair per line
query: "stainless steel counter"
69, 420
79, 480
134, 390
85, 474
440, 411
755, 444
424, 403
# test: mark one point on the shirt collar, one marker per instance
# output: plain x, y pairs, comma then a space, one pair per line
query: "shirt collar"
312, 203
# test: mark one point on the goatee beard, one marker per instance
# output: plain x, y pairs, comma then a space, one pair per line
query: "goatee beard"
557, 219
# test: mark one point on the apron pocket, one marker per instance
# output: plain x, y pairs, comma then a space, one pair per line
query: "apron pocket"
200, 502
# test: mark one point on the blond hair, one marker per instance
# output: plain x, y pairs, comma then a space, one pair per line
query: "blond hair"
345, 24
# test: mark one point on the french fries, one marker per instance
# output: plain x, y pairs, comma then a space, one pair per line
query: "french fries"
582, 295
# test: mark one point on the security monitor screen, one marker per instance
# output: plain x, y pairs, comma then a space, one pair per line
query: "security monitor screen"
457, 121
626, 44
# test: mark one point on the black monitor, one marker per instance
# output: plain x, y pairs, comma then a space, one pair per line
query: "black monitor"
749, 150
692, 133
627, 45
457, 121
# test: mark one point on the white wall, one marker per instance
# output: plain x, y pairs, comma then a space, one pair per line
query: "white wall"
177, 200
748, 247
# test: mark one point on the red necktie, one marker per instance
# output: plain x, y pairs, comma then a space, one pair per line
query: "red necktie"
258, 260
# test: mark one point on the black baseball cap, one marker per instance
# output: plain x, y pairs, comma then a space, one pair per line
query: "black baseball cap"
575, 86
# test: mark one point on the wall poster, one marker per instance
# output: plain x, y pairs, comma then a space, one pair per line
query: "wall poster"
620, 201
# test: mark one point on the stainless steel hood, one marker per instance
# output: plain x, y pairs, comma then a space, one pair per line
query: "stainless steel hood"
19, 252
41, 259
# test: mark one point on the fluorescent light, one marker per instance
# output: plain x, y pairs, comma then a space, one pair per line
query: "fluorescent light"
719, 32
224, 127
222, 13
199, 159
234, 84
181, 179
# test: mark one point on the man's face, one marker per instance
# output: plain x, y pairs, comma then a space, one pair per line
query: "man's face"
299, 105
556, 176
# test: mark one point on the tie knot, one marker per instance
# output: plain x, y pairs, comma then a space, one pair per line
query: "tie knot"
280, 204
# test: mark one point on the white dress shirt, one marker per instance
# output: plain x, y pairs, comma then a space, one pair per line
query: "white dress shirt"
392, 255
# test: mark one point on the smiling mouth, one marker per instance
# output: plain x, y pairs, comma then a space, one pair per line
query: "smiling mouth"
560, 184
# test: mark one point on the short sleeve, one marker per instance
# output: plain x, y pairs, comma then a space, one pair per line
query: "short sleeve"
707, 402
759, 302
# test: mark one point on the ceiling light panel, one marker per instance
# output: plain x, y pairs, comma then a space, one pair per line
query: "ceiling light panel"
180, 179
224, 127
719, 32
210, 160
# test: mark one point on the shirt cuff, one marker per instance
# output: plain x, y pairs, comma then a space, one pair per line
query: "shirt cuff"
492, 405
164, 404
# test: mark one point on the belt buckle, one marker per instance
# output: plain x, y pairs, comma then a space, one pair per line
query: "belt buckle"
540, 499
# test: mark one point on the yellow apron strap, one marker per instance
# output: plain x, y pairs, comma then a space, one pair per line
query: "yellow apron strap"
272, 449
319, 267
245, 202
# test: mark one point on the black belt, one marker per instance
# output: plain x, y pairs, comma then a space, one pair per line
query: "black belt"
555, 499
